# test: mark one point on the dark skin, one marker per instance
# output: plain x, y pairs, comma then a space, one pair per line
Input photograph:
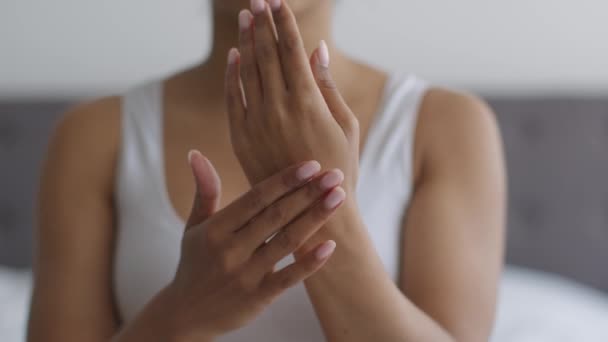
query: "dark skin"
458, 196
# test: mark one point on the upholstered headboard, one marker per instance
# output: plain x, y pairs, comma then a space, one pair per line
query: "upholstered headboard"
25, 128
557, 155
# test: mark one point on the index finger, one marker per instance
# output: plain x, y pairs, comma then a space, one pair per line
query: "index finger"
294, 59
264, 194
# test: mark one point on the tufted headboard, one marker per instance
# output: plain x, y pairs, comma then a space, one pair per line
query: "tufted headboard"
557, 156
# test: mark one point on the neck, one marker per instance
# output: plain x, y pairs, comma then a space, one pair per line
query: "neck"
315, 23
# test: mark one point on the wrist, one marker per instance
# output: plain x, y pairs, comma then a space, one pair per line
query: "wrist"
180, 328
345, 223
167, 302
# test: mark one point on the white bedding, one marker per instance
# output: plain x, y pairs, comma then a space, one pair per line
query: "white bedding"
539, 307
533, 307
15, 289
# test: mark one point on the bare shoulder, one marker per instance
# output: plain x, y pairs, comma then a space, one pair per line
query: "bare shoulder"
456, 128
85, 140
91, 120
451, 114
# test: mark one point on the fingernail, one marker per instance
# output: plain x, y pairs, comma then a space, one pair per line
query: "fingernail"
244, 20
275, 4
233, 55
325, 250
334, 199
331, 179
257, 6
308, 170
190, 155
323, 54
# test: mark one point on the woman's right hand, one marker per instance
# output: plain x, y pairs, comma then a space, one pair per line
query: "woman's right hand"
226, 275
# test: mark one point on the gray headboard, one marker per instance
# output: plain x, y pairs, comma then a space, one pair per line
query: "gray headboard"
557, 155
25, 128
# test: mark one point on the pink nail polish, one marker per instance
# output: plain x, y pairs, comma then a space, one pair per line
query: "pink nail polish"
325, 250
233, 55
331, 179
244, 20
323, 54
334, 199
308, 170
190, 155
257, 6
275, 5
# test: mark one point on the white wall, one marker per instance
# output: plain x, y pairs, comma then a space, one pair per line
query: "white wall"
79, 47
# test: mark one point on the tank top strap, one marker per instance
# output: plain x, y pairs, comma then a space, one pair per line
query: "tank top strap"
390, 139
142, 122
140, 172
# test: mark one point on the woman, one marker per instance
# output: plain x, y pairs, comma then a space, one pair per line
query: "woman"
412, 254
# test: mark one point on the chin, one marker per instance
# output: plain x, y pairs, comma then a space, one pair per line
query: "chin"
236, 6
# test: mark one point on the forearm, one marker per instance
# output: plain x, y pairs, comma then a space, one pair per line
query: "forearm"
354, 297
157, 322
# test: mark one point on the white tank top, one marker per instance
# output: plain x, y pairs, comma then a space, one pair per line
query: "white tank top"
149, 231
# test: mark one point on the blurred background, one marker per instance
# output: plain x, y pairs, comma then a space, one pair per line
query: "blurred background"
542, 65
82, 47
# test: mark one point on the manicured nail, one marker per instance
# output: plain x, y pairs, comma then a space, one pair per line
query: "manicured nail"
233, 55
334, 198
190, 155
275, 4
308, 170
257, 6
323, 54
332, 179
325, 250
244, 20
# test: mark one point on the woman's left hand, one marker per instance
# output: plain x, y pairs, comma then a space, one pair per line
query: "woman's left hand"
284, 108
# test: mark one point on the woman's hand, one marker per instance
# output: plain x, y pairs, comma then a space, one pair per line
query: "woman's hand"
226, 273
291, 110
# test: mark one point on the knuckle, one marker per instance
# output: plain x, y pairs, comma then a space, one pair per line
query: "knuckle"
317, 215
271, 107
245, 39
285, 281
265, 49
262, 253
226, 262
213, 238
327, 83
288, 180
254, 199
232, 79
232, 101
286, 241
233, 85
247, 63
306, 105
249, 71
312, 190
245, 283
276, 214
291, 43
352, 125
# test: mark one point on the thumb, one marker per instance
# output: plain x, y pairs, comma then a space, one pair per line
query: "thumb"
319, 62
208, 189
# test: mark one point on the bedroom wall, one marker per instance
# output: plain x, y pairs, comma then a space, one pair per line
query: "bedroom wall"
80, 47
